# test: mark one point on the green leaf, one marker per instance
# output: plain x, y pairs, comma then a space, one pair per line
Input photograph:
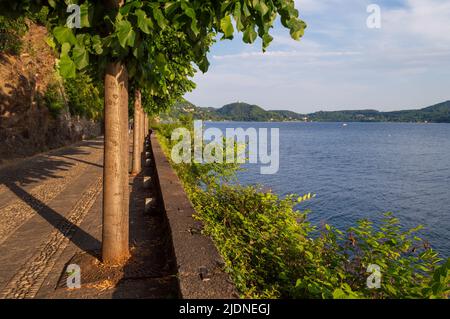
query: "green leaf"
67, 67
262, 8
237, 16
97, 45
125, 9
86, 11
65, 49
339, 294
160, 60
267, 38
245, 10
144, 23
50, 42
297, 28
191, 13
138, 51
64, 34
203, 64
159, 17
125, 33
250, 34
227, 27
80, 57
170, 7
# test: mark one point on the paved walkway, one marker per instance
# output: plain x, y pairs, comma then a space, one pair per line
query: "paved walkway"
50, 216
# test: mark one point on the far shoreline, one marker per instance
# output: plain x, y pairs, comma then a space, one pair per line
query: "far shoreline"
337, 122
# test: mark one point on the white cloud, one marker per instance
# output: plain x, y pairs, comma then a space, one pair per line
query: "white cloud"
311, 5
426, 20
285, 54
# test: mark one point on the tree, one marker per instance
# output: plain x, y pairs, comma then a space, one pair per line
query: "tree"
115, 167
138, 132
156, 44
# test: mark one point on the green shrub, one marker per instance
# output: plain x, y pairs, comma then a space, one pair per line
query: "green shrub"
11, 32
272, 251
53, 99
41, 16
84, 97
337, 265
257, 234
195, 175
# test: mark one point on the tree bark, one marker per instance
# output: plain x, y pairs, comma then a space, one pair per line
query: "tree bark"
115, 168
142, 134
137, 134
146, 125
125, 225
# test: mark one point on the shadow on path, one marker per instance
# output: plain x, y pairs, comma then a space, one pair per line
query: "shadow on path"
151, 270
43, 167
83, 240
81, 161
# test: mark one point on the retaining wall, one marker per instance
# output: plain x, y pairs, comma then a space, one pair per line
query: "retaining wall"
200, 267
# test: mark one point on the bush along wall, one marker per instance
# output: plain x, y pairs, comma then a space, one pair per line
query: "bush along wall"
272, 251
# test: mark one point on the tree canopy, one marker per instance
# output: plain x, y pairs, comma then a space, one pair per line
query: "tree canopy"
159, 41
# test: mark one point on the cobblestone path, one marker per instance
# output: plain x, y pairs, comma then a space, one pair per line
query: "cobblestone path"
50, 211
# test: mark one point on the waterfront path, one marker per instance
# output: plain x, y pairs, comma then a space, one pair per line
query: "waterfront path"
50, 217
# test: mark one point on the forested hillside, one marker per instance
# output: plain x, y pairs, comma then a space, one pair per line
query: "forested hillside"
439, 113
231, 112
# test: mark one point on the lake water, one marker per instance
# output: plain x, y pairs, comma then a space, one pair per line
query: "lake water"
362, 170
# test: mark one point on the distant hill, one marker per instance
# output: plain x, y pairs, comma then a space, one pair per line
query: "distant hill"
231, 112
245, 112
439, 113
239, 111
186, 108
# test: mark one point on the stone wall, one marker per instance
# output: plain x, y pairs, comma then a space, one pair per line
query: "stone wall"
36, 131
26, 125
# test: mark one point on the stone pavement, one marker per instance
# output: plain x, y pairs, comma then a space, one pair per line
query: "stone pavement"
50, 208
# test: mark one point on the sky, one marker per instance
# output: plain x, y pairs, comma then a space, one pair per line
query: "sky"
340, 63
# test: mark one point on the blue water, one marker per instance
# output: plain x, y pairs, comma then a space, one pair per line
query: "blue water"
362, 170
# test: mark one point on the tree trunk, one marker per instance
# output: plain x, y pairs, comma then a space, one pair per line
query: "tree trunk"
125, 225
146, 125
137, 134
142, 134
115, 168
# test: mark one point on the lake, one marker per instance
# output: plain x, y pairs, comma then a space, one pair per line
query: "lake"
362, 170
